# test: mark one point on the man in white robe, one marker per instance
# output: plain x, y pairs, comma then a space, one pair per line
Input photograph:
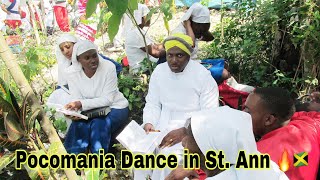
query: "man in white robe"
177, 88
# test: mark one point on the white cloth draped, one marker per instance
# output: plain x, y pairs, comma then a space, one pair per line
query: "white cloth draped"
230, 130
171, 99
63, 62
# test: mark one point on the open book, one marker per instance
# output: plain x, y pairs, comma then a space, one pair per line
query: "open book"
135, 139
72, 113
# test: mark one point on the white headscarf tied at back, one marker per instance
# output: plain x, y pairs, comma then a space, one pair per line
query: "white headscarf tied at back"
198, 14
79, 48
63, 62
142, 11
230, 130
64, 38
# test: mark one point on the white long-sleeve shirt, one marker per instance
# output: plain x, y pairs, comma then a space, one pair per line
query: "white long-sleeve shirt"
172, 97
98, 91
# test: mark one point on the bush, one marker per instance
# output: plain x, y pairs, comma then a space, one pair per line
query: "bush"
271, 43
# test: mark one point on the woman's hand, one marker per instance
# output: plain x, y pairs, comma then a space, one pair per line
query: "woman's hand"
148, 127
74, 118
173, 137
181, 173
73, 106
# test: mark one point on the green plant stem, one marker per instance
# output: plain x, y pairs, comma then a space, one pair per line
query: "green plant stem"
144, 39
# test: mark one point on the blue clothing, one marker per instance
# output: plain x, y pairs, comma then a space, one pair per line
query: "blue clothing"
215, 66
95, 133
118, 65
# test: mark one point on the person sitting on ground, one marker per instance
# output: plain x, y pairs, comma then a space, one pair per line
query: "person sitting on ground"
135, 47
61, 96
278, 129
176, 89
12, 8
228, 130
93, 84
64, 51
196, 24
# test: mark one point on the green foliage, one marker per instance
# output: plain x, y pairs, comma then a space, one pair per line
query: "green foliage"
271, 43
38, 173
166, 8
133, 89
5, 160
92, 174
34, 59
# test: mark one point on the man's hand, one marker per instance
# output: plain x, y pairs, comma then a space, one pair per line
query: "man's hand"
148, 127
181, 173
74, 106
173, 137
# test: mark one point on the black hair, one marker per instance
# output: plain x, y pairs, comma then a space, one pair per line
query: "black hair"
277, 101
302, 106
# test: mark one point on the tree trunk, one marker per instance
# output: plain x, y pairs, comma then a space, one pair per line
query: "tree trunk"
25, 90
34, 22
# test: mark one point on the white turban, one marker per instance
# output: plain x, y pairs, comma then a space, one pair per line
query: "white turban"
230, 130
63, 62
79, 48
198, 14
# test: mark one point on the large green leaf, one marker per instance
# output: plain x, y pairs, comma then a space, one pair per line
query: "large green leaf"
5, 160
5, 106
113, 26
12, 145
117, 8
9, 97
13, 128
133, 5
91, 7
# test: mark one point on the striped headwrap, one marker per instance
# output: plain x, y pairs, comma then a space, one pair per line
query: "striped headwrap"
182, 41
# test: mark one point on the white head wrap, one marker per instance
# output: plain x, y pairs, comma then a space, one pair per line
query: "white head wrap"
224, 129
230, 130
64, 38
79, 48
63, 62
142, 11
198, 14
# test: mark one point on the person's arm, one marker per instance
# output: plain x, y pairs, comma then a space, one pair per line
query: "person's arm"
3, 7
152, 109
187, 25
155, 50
209, 95
110, 89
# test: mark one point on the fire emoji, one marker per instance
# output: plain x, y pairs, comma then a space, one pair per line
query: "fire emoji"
284, 161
